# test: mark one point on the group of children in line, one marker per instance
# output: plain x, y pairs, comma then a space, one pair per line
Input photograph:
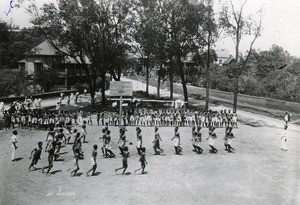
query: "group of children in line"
40, 119
59, 137
44, 119
170, 118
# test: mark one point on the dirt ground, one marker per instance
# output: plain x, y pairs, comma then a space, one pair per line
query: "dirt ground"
257, 173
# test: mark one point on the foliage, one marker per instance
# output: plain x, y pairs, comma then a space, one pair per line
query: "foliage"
15, 43
46, 78
88, 31
12, 82
81, 87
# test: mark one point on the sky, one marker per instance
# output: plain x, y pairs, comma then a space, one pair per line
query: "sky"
281, 23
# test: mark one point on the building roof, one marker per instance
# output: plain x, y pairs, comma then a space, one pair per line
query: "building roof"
45, 49
223, 53
229, 60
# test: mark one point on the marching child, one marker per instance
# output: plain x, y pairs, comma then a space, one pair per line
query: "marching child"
194, 136
108, 151
83, 131
198, 140
142, 160
94, 162
122, 141
230, 138
156, 146
103, 148
124, 160
51, 151
77, 155
176, 139
226, 138
284, 139
212, 138
36, 155
139, 140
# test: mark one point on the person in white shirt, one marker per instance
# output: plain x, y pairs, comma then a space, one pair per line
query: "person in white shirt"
14, 145
284, 139
287, 118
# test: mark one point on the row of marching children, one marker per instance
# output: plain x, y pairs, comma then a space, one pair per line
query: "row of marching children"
56, 139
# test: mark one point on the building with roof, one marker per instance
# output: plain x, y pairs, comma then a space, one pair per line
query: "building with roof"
223, 57
44, 56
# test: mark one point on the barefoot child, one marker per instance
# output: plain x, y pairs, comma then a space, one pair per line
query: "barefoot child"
68, 134
103, 148
194, 136
78, 154
142, 160
230, 138
138, 140
124, 160
156, 146
198, 141
226, 138
284, 139
176, 139
36, 155
212, 138
51, 151
93, 159
122, 141
108, 152
14, 144
83, 131
49, 138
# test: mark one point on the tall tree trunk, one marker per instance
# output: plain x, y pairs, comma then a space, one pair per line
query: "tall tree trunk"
158, 80
183, 82
171, 77
147, 75
207, 76
103, 100
119, 74
90, 83
236, 90
236, 76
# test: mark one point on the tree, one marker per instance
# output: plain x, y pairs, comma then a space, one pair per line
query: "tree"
275, 74
208, 35
46, 78
236, 25
145, 33
182, 19
151, 37
87, 31
16, 43
12, 82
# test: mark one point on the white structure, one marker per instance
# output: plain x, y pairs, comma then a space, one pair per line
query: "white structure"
223, 57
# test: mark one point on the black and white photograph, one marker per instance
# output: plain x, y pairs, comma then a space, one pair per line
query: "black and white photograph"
151, 102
